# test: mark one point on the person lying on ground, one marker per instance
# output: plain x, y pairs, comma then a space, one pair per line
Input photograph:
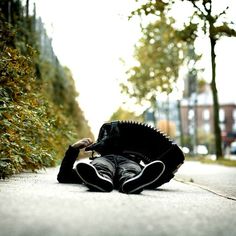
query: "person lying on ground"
108, 172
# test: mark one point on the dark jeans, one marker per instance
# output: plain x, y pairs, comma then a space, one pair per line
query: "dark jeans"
118, 168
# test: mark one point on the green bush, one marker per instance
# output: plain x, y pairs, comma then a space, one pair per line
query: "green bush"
32, 130
36, 123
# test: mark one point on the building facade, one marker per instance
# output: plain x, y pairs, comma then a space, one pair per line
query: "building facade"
198, 116
204, 117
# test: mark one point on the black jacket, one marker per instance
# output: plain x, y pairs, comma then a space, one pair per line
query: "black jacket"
66, 173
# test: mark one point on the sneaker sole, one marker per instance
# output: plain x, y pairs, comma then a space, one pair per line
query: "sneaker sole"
92, 178
144, 179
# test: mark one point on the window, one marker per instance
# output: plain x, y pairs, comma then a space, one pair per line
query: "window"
222, 115
206, 114
206, 127
234, 127
190, 114
234, 115
222, 127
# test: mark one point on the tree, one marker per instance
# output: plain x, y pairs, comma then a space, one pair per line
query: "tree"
122, 114
214, 26
214, 29
159, 54
167, 127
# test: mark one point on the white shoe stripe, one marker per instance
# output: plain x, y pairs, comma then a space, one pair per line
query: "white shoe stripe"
142, 186
95, 186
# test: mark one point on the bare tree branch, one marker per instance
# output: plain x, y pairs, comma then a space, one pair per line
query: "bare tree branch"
222, 13
204, 3
196, 6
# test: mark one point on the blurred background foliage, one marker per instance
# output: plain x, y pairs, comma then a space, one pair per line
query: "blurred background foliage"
165, 49
39, 113
123, 114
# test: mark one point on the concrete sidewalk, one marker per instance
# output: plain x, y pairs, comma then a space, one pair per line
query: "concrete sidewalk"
36, 205
216, 178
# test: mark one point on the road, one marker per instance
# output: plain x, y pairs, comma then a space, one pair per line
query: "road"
36, 205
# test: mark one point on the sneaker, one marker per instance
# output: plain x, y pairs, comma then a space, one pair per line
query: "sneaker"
92, 178
149, 174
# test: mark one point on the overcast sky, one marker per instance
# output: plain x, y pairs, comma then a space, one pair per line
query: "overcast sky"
90, 37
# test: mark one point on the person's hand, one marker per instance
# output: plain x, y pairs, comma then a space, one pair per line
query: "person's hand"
83, 143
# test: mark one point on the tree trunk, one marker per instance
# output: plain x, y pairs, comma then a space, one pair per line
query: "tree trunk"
195, 138
181, 136
9, 12
27, 9
218, 143
168, 115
